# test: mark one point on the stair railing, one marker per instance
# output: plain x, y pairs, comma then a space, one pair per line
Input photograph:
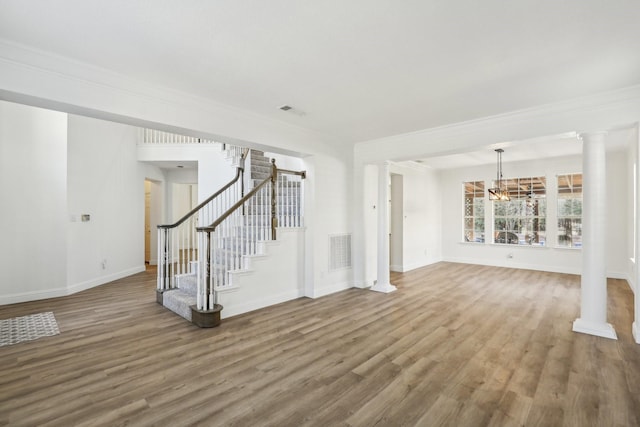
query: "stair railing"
177, 242
238, 232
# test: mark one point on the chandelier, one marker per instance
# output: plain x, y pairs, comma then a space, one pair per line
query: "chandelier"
499, 193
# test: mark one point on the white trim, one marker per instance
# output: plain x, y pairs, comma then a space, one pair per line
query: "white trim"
414, 266
33, 296
512, 264
332, 289
560, 117
396, 268
69, 289
82, 286
80, 88
261, 303
636, 333
385, 288
604, 330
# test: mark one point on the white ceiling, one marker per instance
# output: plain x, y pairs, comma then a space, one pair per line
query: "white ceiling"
359, 69
539, 148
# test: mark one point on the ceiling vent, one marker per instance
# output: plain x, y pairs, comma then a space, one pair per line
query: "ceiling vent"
290, 109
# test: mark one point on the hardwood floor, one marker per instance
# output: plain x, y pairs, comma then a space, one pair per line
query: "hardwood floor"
457, 344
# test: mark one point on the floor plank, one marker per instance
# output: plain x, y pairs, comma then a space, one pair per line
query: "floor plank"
455, 345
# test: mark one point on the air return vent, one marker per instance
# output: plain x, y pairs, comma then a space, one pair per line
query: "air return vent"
294, 110
339, 251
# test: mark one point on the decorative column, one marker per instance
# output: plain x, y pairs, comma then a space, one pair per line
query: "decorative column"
383, 284
636, 210
593, 304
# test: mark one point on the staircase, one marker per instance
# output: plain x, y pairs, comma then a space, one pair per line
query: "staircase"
223, 244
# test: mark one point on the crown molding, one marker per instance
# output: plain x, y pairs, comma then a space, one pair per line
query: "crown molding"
602, 111
34, 76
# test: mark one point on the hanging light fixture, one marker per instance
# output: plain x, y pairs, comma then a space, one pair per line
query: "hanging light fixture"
499, 193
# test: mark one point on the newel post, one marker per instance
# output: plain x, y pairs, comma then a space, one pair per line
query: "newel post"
274, 179
206, 289
166, 260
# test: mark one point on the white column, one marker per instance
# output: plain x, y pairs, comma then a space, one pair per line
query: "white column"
636, 211
383, 284
593, 304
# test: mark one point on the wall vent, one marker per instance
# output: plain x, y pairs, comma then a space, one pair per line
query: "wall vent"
339, 251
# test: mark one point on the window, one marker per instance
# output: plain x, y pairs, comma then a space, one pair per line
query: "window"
570, 210
522, 220
474, 211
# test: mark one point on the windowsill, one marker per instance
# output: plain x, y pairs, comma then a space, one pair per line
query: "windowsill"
565, 248
509, 245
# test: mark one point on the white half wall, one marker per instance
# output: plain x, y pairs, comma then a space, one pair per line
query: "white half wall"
33, 173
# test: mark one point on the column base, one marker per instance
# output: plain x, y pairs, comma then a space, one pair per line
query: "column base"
636, 333
383, 287
598, 329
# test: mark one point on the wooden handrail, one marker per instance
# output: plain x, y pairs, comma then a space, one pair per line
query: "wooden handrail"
212, 227
303, 174
239, 171
217, 222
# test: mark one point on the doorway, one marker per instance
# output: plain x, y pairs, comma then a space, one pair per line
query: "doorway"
396, 223
152, 216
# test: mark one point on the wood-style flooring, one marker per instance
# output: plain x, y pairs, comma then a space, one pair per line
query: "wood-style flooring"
456, 345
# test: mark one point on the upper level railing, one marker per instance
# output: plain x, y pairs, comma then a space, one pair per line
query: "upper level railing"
153, 136
177, 242
239, 231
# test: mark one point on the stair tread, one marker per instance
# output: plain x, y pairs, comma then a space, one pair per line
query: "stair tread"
179, 302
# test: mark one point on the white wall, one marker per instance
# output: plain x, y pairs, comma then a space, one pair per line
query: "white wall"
267, 282
106, 181
286, 162
328, 192
550, 257
33, 174
421, 216
213, 170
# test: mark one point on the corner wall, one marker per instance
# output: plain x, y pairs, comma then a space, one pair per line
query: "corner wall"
106, 181
421, 216
33, 173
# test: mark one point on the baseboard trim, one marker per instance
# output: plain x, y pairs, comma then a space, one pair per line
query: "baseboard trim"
521, 266
83, 286
604, 330
33, 296
332, 289
234, 310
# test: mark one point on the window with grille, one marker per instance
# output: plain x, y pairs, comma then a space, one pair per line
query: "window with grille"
474, 211
522, 220
570, 210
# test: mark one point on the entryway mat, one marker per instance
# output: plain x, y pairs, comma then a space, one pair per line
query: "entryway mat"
27, 328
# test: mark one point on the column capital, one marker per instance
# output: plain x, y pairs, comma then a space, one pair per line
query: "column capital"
591, 135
